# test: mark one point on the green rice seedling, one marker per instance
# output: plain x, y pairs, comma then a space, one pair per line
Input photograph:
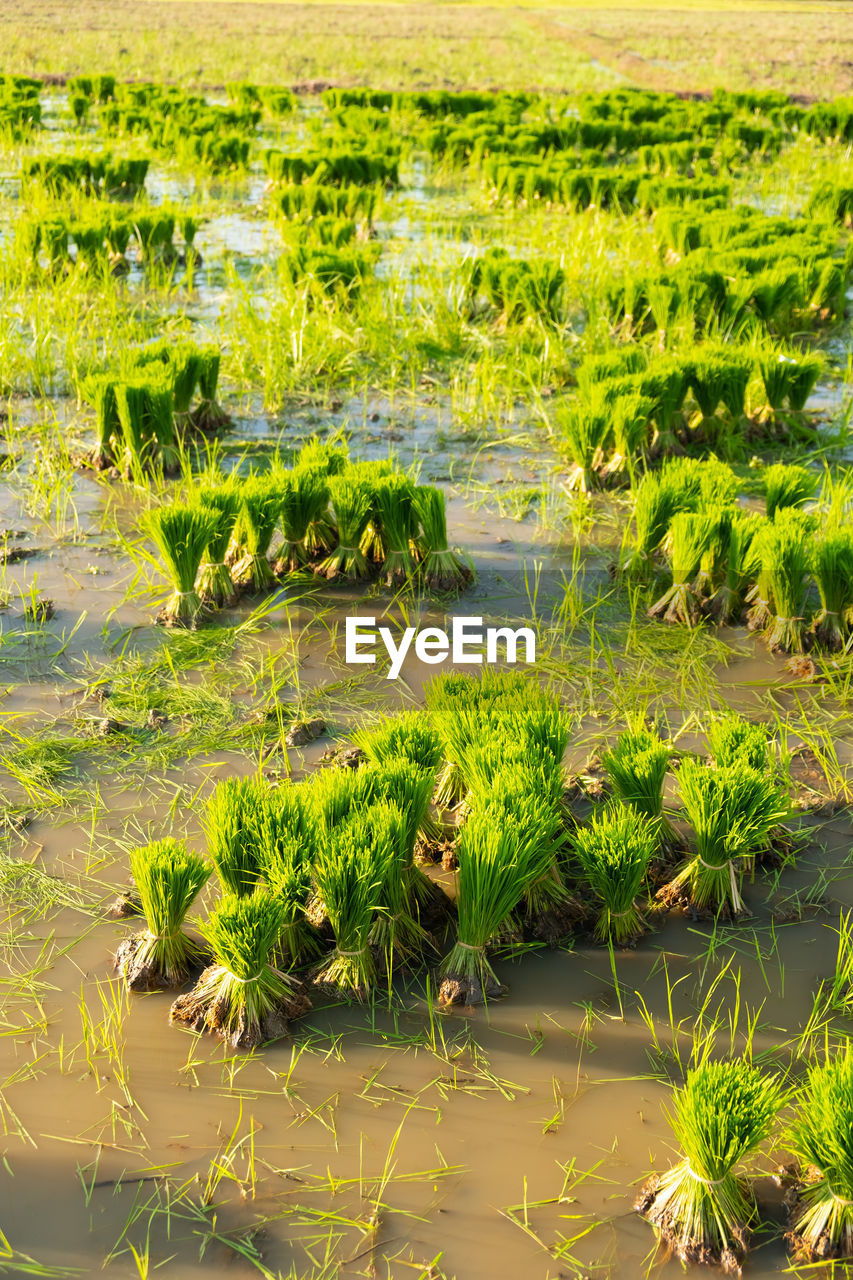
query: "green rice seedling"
215, 585
181, 535
242, 997
338, 794
394, 500
517, 801
109, 424
702, 1208
728, 601
820, 1136
329, 457
720, 377
789, 377
350, 867
630, 419
408, 736
441, 569
734, 740
351, 499
147, 422
409, 786
614, 851
637, 767
208, 414
786, 485
665, 382
587, 431
658, 498
783, 554
304, 497
168, 878
732, 811
161, 424
690, 537
396, 932
372, 472
287, 837
260, 507
231, 827
832, 567
154, 235
117, 235
458, 706
495, 872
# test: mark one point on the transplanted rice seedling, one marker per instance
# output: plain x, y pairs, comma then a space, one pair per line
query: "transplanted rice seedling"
586, 429
614, 851
209, 414
396, 932
168, 878
352, 499
791, 378
658, 498
740, 566
231, 826
820, 1136
732, 810
637, 768
105, 452
215, 584
783, 554
832, 566
690, 537
303, 495
409, 786
287, 834
734, 740
703, 1208
182, 535
786, 485
242, 997
351, 865
394, 500
147, 426
441, 569
256, 526
408, 736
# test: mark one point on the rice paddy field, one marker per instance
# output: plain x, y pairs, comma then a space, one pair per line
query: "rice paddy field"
511, 935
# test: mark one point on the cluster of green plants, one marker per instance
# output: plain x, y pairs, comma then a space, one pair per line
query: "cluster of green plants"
100, 174
275, 100
515, 289
144, 409
787, 571
101, 237
20, 108
305, 202
342, 520
363, 163
182, 126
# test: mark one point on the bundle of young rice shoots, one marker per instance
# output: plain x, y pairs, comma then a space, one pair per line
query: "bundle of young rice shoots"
373, 472
614, 851
630, 417
396, 932
790, 378
287, 835
702, 1208
733, 811
832, 566
518, 801
409, 786
495, 872
727, 603
242, 996
408, 736
586, 429
658, 498
336, 794
720, 376
637, 767
168, 878
138, 442
783, 551
215, 585
734, 740
209, 415
181, 535
160, 424
394, 499
351, 498
257, 522
109, 424
441, 568
690, 536
820, 1136
231, 827
786, 485
350, 867
304, 497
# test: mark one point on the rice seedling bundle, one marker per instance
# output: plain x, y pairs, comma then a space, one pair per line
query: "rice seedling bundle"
720, 376
408, 736
231, 827
791, 378
614, 851
517, 802
351, 864
637, 767
630, 418
832, 566
690, 536
454, 703
181, 535
242, 996
215, 585
394, 501
441, 569
665, 383
351, 499
821, 1138
257, 522
287, 834
108, 423
786, 485
168, 878
396, 932
735, 741
702, 1208
732, 810
147, 423
304, 496
727, 603
783, 553
587, 430
409, 786
658, 497
336, 794
209, 415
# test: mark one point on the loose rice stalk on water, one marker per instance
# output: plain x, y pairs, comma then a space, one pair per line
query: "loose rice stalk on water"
181, 535
441, 568
820, 1136
168, 878
215, 584
242, 996
702, 1208
614, 851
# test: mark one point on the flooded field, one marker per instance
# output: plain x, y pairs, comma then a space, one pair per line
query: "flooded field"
416, 1128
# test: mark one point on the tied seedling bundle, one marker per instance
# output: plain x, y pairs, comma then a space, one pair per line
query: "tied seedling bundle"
352, 499
637, 768
441, 569
257, 522
231, 827
303, 496
820, 1204
286, 830
703, 1208
614, 852
215, 584
832, 567
690, 537
351, 864
181, 535
394, 498
168, 878
242, 997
